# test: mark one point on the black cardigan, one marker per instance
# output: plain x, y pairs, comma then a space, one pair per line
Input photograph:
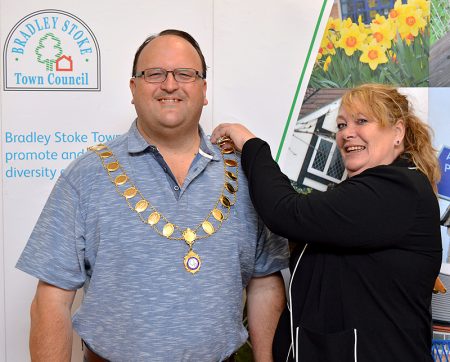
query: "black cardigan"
361, 288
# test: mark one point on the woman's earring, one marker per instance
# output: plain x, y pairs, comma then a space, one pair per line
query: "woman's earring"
397, 142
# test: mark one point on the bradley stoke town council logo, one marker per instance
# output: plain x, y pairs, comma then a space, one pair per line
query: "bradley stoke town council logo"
51, 50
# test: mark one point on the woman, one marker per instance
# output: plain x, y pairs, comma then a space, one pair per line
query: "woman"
368, 250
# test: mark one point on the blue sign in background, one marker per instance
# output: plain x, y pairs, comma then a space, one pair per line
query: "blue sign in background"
444, 183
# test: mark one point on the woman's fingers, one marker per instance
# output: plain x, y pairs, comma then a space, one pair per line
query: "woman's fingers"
219, 131
237, 132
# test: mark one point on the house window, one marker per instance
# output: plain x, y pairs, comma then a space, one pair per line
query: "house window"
321, 155
366, 8
336, 168
326, 161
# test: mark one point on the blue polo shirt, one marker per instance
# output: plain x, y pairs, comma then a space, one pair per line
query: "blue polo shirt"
140, 304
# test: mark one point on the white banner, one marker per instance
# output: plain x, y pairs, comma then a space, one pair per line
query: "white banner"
65, 72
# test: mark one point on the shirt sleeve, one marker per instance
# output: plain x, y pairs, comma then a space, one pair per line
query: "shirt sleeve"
54, 252
272, 253
372, 210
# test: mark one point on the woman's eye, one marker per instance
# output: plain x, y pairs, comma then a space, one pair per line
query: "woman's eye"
341, 125
362, 120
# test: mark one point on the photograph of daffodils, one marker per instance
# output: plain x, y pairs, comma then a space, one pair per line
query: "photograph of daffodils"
392, 49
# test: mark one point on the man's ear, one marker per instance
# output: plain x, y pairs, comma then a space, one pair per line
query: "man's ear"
132, 89
205, 87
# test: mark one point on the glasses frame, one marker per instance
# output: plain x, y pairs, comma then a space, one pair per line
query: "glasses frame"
141, 74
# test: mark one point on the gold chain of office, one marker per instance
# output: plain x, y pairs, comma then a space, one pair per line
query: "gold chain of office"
151, 216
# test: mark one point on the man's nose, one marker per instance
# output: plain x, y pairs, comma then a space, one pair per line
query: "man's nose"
170, 84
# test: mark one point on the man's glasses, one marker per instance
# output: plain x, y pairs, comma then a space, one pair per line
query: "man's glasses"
159, 75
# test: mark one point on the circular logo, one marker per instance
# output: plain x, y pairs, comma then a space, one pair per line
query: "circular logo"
193, 263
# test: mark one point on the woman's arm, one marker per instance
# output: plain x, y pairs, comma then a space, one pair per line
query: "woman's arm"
373, 209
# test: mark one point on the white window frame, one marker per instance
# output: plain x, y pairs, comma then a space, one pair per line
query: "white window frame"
323, 174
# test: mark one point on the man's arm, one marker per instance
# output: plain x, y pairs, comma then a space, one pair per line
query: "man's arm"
265, 302
51, 324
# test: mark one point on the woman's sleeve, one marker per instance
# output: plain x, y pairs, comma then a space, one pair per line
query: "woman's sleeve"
369, 211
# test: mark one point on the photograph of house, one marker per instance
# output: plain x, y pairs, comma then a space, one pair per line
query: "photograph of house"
312, 159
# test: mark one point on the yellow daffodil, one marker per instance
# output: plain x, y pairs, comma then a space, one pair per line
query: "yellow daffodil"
361, 25
423, 5
334, 24
351, 39
332, 34
319, 54
410, 21
396, 11
373, 54
383, 33
347, 23
327, 44
408, 38
326, 64
363, 28
329, 37
379, 19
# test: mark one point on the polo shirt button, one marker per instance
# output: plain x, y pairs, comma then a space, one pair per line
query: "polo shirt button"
176, 188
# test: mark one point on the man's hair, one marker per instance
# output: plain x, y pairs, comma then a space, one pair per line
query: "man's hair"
181, 34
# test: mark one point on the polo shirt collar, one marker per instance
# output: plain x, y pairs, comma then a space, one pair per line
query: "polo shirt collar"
207, 147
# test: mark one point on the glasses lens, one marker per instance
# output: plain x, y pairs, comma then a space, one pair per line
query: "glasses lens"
155, 75
185, 75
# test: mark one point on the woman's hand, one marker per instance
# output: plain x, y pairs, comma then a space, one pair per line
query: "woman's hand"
237, 132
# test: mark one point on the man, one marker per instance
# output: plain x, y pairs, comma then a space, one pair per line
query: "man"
158, 227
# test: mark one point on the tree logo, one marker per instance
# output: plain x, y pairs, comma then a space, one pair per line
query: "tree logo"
51, 50
48, 50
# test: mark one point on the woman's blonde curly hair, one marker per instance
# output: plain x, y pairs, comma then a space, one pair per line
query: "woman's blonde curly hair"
387, 105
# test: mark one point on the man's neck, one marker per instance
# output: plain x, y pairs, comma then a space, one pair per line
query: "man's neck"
173, 140
178, 148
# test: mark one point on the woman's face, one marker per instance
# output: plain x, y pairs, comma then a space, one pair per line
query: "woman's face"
364, 143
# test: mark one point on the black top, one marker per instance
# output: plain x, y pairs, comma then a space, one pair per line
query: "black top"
361, 288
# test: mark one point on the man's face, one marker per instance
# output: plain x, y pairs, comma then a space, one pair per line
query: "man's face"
170, 104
